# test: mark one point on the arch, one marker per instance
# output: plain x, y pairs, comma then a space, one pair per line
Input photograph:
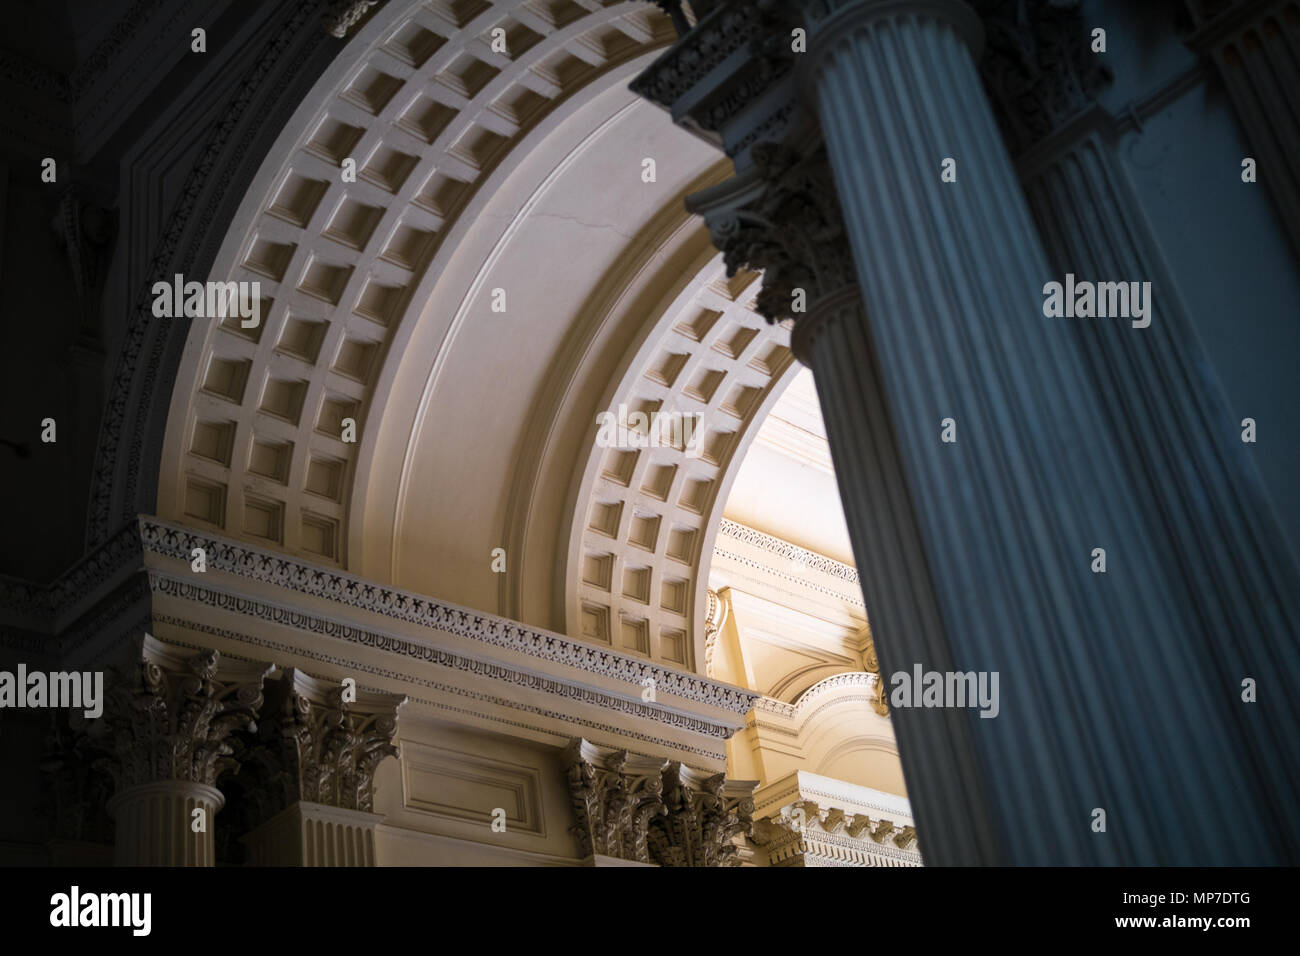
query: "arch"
643, 518
831, 729
374, 301
435, 121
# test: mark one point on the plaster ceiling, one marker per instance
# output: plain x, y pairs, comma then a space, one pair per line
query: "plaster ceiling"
786, 483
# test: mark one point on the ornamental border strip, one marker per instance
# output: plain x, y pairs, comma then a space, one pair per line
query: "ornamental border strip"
274, 614
285, 571
787, 549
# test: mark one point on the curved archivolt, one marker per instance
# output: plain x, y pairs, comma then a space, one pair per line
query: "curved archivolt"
649, 507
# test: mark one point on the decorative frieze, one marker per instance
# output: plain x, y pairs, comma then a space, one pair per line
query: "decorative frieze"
248, 561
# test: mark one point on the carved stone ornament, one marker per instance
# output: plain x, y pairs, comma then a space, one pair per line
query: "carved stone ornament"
786, 223
699, 52
714, 618
1038, 66
76, 789
803, 833
86, 231
704, 816
316, 746
614, 797
171, 715
728, 77
649, 810
343, 15
871, 664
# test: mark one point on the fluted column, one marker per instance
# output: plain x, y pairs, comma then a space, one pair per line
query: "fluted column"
156, 824
979, 469
166, 737
1011, 511
1256, 46
1206, 509
313, 834
782, 215
1209, 514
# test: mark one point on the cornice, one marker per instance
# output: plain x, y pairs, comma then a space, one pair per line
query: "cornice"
830, 792
825, 686
791, 552
814, 820
792, 555
393, 644
168, 540
48, 607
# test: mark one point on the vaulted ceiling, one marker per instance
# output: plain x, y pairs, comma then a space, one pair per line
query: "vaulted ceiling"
502, 269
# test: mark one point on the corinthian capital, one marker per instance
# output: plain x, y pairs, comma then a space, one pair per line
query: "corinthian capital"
614, 795
1038, 66
782, 217
704, 814
171, 715
322, 744
728, 78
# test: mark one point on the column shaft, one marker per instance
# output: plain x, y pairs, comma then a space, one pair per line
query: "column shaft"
1209, 514
1256, 46
934, 745
1100, 685
155, 824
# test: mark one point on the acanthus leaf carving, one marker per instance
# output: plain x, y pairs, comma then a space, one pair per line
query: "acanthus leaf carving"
321, 747
650, 810
786, 224
1038, 67
172, 715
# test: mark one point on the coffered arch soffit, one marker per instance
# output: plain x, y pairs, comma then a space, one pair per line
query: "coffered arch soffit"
375, 306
